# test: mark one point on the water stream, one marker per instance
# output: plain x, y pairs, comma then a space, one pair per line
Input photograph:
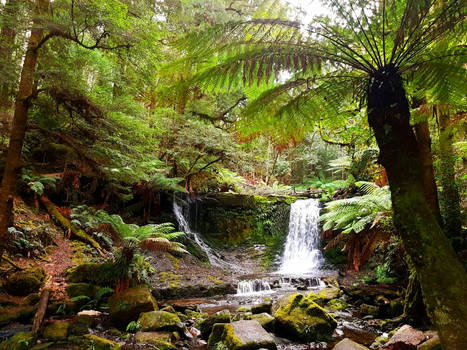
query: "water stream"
195, 236
302, 255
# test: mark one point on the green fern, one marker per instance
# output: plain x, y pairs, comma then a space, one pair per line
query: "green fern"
357, 213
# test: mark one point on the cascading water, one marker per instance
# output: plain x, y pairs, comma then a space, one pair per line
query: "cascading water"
302, 255
248, 287
185, 227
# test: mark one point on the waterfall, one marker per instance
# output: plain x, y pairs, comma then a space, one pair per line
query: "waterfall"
253, 287
195, 236
302, 255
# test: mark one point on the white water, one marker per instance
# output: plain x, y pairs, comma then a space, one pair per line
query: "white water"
302, 255
252, 287
185, 227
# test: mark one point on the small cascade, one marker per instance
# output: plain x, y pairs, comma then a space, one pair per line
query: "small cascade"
302, 255
185, 227
249, 287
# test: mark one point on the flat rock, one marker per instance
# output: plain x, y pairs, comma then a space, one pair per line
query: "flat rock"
159, 321
359, 335
347, 344
406, 338
247, 335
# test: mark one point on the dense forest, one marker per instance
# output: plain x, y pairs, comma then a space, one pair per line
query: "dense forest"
233, 174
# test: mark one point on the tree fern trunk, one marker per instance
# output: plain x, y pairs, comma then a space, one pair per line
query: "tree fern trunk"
442, 277
450, 194
422, 133
18, 128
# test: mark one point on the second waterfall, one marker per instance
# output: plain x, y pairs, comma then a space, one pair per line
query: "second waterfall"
302, 255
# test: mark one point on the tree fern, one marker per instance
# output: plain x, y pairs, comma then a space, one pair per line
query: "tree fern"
357, 213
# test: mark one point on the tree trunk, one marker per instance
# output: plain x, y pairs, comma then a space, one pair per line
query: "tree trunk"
422, 133
19, 124
442, 277
450, 195
7, 38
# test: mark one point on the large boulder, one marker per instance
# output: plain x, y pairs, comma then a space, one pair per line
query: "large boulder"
25, 282
77, 289
159, 321
300, 318
126, 306
406, 338
347, 344
241, 335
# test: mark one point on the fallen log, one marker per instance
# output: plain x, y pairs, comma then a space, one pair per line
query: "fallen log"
75, 231
39, 316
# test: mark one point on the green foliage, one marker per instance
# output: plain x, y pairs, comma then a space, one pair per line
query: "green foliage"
383, 274
133, 327
357, 213
37, 183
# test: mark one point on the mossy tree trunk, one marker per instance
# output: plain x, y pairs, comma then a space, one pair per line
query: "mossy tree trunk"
442, 277
450, 195
20, 118
422, 132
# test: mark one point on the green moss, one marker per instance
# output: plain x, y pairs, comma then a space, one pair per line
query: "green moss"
159, 321
299, 317
25, 282
99, 343
56, 331
16, 314
337, 304
76, 289
20, 341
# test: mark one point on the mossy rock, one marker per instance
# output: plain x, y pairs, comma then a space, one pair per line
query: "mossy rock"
159, 339
12, 314
300, 318
42, 346
325, 295
76, 289
20, 341
96, 273
265, 320
99, 343
337, 304
32, 299
243, 335
261, 308
25, 282
220, 317
159, 321
366, 309
56, 331
126, 306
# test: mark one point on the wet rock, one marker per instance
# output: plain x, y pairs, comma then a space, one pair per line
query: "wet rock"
99, 343
126, 306
300, 318
20, 341
337, 304
347, 344
405, 338
431, 344
265, 320
159, 321
260, 308
159, 339
220, 317
371, 310
25, 282
56, 331
359, 335
241, 335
